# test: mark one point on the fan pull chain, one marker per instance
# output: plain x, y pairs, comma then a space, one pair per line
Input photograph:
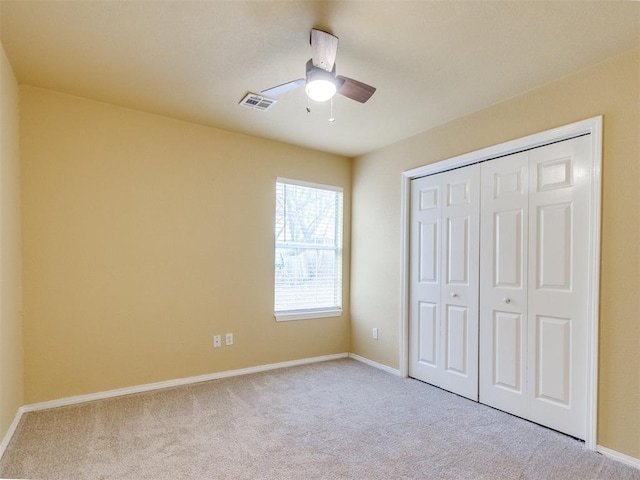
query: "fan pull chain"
331, 117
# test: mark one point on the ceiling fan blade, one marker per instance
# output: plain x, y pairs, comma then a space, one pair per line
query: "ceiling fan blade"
323, 48
353, 89
285, 87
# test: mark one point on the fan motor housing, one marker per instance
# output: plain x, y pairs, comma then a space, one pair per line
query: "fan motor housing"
317, 73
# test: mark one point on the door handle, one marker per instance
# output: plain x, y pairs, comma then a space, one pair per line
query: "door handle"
507, 300
454, 295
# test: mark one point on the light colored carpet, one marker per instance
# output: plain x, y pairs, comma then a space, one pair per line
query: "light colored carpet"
332, 420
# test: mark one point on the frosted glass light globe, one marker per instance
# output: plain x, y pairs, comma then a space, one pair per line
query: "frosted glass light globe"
320, 90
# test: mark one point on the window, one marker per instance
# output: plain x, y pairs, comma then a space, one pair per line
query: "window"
308, 263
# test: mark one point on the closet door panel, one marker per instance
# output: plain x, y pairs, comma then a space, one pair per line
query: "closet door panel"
427, 332
557, 330
508, 353
443, 347
456, 330
424, 326
460, 289
503, 283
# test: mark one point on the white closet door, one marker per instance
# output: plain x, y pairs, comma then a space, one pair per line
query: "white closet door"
444, 280
460, 289
558, 257
533, 314
503, 283
424, 345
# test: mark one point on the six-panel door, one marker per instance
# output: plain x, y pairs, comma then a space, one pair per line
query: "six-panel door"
444, 283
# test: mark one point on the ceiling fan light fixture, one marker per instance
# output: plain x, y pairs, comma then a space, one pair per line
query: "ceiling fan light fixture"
320, 90
321, 85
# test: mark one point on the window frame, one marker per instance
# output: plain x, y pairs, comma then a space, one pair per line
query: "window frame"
319, 312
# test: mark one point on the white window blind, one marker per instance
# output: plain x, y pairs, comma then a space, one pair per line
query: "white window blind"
308, 263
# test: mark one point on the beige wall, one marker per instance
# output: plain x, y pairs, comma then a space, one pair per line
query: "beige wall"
143, 237
11, 379
611, 89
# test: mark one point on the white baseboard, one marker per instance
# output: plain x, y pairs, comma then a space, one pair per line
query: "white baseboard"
377, 365
11, 431
175, 383
621, 457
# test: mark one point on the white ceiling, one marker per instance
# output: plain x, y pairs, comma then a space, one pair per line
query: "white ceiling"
431, 62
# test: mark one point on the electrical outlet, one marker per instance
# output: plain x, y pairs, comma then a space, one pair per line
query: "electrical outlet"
217, 341
229, 339
375, 333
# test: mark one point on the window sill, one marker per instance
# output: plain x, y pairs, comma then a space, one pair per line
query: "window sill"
307, 314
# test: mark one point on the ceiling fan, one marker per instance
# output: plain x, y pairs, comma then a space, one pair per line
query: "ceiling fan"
321, 82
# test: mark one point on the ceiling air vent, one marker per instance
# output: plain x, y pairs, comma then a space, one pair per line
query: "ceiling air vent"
257, 102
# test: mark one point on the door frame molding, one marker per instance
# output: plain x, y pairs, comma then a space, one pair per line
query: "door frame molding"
592, 126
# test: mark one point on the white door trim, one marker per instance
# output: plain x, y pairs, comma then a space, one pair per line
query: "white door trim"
591, 126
